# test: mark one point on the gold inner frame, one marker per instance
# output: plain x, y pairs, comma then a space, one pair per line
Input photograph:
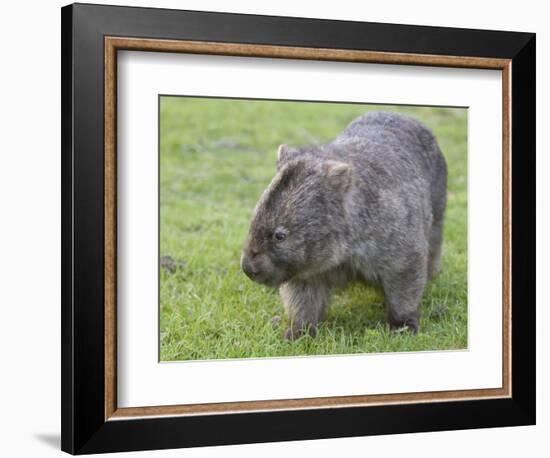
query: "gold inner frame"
112, 45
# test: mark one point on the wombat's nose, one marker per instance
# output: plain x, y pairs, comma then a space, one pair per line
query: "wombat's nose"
248, 269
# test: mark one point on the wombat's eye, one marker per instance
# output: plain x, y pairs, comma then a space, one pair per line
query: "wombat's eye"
279, 235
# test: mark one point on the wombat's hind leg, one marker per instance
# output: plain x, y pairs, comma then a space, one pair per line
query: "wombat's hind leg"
439, 202
305, 302
403, 292
434, 258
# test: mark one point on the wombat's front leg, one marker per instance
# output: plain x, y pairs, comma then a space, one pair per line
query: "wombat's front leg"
403, 291
305, 302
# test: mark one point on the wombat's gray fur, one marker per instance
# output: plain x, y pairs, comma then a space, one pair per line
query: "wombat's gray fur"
368, 205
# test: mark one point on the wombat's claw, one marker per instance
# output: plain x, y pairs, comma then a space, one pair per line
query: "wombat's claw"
408, 326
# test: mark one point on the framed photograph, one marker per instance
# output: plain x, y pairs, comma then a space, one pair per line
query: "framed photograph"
283, 228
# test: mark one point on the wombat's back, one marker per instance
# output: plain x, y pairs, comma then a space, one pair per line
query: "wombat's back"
398, 147
388, 134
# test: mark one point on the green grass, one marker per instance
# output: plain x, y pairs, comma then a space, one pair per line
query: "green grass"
216, 157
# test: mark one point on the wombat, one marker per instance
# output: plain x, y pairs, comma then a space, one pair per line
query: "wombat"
366, 206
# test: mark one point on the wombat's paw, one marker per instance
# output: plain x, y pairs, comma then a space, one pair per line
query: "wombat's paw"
290, 335
409, 324
294, 333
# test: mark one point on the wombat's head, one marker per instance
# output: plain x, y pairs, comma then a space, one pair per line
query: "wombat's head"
299, 224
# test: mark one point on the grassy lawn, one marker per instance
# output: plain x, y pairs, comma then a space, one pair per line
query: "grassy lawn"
216, 157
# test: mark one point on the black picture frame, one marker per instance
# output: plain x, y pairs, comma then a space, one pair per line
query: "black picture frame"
84, 428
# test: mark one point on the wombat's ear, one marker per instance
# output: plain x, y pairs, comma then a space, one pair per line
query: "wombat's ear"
339, 175
284, 154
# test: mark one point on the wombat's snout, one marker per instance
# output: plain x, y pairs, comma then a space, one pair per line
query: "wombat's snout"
248, 267
259, 268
